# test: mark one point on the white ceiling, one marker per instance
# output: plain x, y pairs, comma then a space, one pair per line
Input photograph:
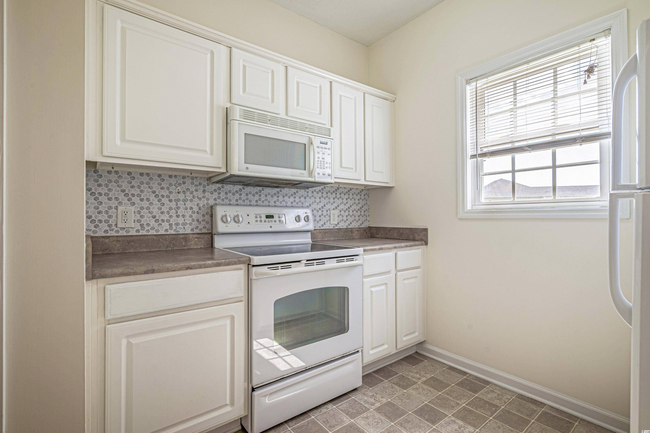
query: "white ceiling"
365, 21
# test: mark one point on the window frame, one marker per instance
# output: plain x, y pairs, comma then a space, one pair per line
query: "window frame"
468, 170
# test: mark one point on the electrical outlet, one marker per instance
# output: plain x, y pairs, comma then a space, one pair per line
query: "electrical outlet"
125, 216
334, 216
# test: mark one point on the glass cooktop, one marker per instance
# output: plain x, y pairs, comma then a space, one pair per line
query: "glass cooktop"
276, 250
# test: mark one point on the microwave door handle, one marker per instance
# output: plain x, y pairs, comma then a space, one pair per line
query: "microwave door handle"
312, 153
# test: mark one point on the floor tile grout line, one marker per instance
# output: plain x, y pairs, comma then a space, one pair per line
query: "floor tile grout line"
530, 421
542, 411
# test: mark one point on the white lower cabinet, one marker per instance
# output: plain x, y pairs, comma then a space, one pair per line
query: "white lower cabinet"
180, 372
394, 303
378, 317
409, 299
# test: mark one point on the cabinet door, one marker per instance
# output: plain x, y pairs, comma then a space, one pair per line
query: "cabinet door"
410, 307
184, 372
308, 96
163, 93
347, 122
379, 139
257, 82
378, 317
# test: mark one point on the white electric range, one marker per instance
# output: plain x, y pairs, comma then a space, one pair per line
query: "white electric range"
305, 311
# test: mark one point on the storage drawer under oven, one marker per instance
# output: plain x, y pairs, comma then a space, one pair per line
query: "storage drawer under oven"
286, 398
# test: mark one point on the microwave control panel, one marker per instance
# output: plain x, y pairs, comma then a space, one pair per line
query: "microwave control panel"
323, 170
256, 219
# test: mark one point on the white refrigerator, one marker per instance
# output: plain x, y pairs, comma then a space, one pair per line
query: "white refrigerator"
636, 313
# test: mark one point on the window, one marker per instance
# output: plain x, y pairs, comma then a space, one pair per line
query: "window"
535, 127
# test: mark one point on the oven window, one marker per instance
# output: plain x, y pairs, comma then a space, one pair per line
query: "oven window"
310, 316
274, 152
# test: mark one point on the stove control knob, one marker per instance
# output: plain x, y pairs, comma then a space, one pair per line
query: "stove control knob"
226, 218
238, 219
297, 218
306, 218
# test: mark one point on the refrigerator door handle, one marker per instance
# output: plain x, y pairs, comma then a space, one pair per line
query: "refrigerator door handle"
628, 72
623, 306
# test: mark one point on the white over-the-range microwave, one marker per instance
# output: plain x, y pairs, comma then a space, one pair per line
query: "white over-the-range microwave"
273, 151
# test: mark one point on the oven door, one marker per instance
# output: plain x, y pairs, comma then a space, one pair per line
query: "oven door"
303, 315
270, 153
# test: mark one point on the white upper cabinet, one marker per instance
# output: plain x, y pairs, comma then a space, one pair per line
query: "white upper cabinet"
164, 93
181, 372
308, 96
156, 98
347, 122
257, 82
379, 140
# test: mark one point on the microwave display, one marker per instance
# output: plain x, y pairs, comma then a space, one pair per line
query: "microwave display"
274, 152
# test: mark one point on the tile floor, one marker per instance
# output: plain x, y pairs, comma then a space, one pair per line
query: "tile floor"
418, 394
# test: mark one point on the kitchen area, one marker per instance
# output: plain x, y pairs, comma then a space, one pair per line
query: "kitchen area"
232, 273
296, 216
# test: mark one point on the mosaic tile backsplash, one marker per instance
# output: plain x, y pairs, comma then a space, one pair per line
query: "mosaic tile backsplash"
183, 204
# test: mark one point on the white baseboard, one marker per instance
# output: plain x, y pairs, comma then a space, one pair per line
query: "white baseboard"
563, 402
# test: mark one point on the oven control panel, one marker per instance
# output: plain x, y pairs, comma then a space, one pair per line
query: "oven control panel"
258, 219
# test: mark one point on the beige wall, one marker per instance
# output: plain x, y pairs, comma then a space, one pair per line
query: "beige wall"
44, 216
527, 297
265, 24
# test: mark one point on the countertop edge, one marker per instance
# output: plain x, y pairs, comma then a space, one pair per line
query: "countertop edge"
408, 244
372, 248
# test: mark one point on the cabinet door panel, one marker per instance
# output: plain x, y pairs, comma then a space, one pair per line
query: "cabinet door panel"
163, 93
379, 139
257, 82
347, 122
180, 372
410, 307
308, 96
378, 317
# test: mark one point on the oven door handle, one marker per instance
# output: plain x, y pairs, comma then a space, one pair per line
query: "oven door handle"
265, 273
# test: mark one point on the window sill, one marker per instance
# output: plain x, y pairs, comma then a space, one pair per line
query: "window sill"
552, 210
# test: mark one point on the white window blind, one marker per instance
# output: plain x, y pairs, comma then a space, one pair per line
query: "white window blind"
557, 100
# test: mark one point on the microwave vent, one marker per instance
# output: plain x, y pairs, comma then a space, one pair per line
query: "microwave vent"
281, 122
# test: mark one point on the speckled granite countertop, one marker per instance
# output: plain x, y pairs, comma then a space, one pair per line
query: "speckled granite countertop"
373, 238
154, 262
374, 244
121, 256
